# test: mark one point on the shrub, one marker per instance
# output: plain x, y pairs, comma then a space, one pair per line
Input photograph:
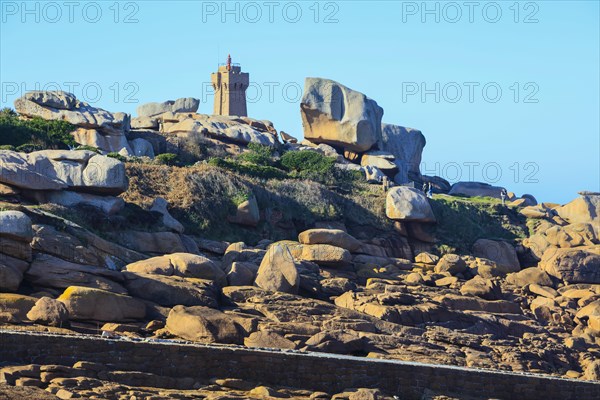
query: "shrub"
257, 171
29, 147
89, 148
166, 159
7, 147
307, 161
258, 154
47, 134
240, 197
316, 167
116, 155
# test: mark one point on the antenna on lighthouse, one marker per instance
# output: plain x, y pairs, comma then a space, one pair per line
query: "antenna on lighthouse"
228, 62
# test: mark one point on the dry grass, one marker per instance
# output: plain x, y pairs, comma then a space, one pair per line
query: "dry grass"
201, 197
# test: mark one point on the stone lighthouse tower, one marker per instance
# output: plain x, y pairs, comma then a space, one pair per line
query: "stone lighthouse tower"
230, 84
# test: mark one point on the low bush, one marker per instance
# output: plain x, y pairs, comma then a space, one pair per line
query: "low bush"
258, 154
29, 147
89, 148
166, 159
307, 161
116, 155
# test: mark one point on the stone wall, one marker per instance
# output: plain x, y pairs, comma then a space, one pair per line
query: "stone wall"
301, 370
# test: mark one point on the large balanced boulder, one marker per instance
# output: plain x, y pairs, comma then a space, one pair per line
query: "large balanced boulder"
408, 204
334, 237
334, 114
204, 324
96, 127
573, 265
406, 144
85, 303
585, 208
475, 189
500, 252
278, 271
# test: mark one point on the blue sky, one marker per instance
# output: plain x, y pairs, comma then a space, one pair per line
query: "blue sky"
505, 92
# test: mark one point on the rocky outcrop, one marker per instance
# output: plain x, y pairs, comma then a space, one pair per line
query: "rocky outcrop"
381, 160
241, 130
183, 105
585, 208
573, 265
334, 114
406, 144
475, 189
169, 291
16, 225
180, 264
408, 204
334, 237
95, 127
322, 254
47, 271
15, 251
452, 264
529, 276
66, 177
207, 325
500, 252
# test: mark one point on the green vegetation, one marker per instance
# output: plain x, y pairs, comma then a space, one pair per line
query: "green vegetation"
240, 197
258, 154
316, 167
35, 133
307, 162
29, 147
461, 221
89, 148
166, 159
116, 155
202, 197
253, 170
